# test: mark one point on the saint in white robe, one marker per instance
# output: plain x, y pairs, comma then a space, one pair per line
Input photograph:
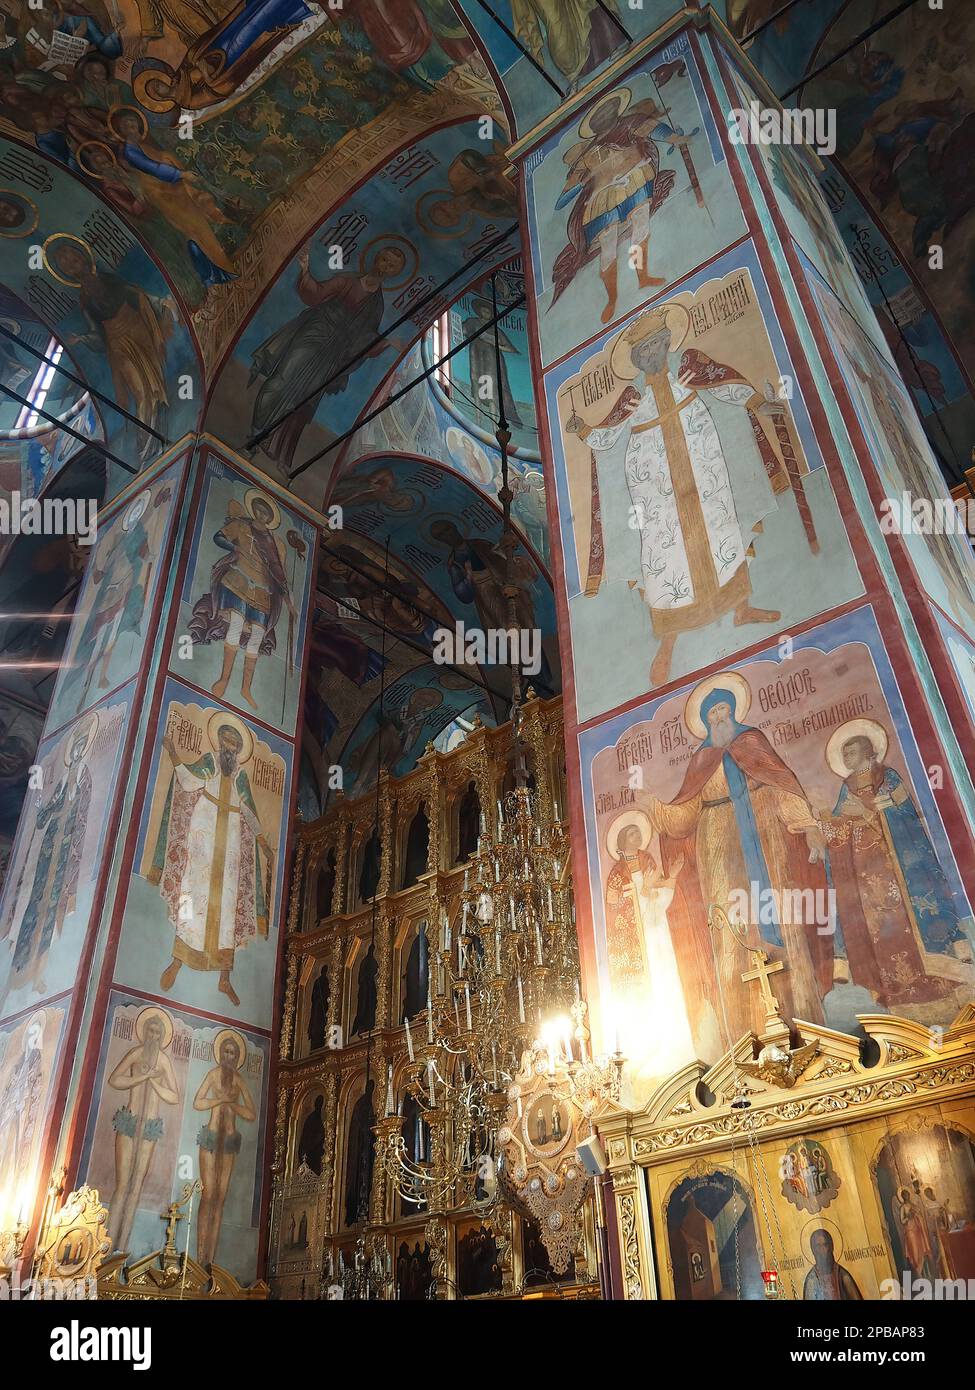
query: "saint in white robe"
209, 866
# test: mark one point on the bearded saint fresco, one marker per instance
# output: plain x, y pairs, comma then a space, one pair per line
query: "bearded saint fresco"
212, 860
740, 817
901, 928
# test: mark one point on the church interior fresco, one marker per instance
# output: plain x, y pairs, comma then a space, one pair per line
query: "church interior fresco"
252, 224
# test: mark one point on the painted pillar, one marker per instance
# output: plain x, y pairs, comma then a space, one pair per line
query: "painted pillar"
768, 691
139, 927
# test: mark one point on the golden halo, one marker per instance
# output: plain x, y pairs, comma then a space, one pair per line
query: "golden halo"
123, 106
12, 196
391, 240
130, 516
94, 144
154, 1012
88, 729
254, 494
238, 1038
621, 94
869, 729
443, 195
218, 719
724, 680
667, 316
79, 241
625, 818
815, 1224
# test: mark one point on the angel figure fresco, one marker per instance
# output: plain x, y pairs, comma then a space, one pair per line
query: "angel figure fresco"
643, 970
147, 1081
900, 927
249, 587
126, 325
696, 543
614, 185
314, 353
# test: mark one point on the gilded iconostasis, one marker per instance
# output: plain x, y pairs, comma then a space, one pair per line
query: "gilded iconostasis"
487, 812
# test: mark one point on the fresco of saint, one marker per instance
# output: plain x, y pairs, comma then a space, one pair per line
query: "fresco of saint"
248, 589
147, 1080
615, 184
898, 920
313, 354
129, 326
695, 542
579, 35
644, 972
741, 818
121, 573
62, 823
211, 860
224, 1096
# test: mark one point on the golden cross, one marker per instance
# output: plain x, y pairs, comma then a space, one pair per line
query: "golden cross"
761, 973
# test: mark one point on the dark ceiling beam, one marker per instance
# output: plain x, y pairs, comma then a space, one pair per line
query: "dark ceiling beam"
404, 390
79, 381
347, 366
519, 45
59, 424
760, 28
854, 43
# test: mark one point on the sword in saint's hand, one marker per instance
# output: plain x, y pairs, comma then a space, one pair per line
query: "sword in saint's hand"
685, 152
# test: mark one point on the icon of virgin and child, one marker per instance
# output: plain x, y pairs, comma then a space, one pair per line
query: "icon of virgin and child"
741, 818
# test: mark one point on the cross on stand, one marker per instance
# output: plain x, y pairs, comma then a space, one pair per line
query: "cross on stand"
765, 968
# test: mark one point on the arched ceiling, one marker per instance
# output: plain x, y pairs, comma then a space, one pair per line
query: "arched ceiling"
445, 567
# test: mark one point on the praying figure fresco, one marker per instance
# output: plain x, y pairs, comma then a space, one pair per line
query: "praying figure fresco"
146, 1081
781, 806
171, 1084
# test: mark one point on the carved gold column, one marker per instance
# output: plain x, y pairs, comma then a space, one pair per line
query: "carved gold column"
534, 735
296, 901
286, 1045
385, 835
331, 1165
385, 928
436, 1233
340, 892
633, 1222
335, 981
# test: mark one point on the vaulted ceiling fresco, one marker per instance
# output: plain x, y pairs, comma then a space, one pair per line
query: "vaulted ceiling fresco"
253, 212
